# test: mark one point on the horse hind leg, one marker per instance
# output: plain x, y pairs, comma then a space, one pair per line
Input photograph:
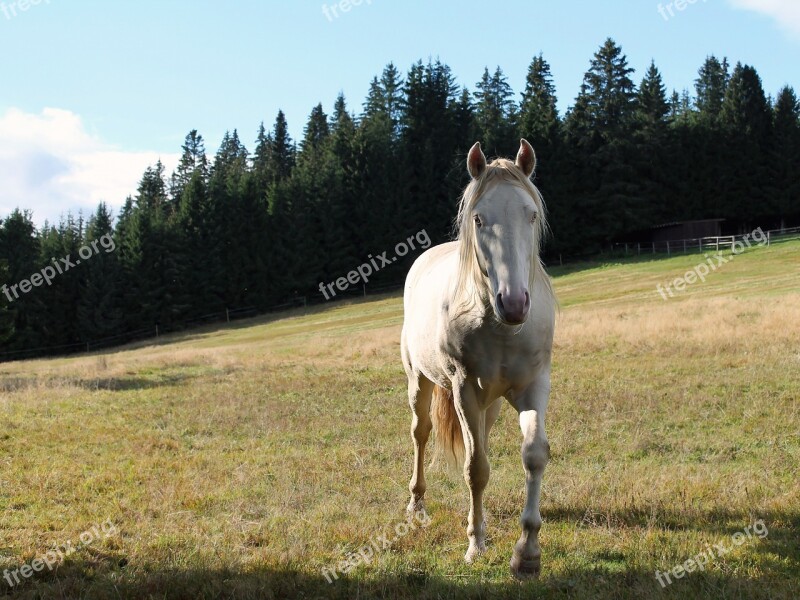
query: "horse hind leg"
420, 390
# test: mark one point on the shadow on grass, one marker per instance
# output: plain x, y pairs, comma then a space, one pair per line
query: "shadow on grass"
767, 569
85, 581
116, 384
121, 384
720, 521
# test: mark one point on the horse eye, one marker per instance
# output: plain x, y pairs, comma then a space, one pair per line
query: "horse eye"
478, 221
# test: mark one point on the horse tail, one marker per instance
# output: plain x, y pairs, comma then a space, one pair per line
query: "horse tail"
449, 437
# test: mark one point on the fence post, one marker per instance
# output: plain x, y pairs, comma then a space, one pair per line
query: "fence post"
654, 247
668, 252
639, 248
769, 234
626, 248
156, 329
717, 244
684, 246
227, 315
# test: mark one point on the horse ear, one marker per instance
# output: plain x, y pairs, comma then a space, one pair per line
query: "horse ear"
526, 158
476, 161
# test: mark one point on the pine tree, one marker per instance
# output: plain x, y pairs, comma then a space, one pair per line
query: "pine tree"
385, 97
20, 245
200, 256
745, 108
610, 91
59, 323
263, 162
540, 124
538, 121
786, 155
376, 152
100, 303
149, 256
495, 114
7, 315
432, 152
229, 221
652, 107
746, 119
193, 159
653, 148
283, 151
607, 194
711, 85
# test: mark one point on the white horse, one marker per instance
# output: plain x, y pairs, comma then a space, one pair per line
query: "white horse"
478, 326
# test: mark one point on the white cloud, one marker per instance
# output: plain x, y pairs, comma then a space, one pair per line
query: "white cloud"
50, 164
785, 12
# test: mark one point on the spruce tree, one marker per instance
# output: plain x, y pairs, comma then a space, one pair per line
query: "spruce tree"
710, 86
193, 159
496, 114
746, 119
20, 248
786, 156
7, 315
100, 303
538, 121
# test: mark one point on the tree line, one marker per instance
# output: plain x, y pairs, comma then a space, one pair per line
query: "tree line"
259, 228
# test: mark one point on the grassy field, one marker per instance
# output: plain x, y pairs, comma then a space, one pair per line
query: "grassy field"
241, 461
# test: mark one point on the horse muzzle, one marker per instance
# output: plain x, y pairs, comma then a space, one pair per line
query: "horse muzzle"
513, 307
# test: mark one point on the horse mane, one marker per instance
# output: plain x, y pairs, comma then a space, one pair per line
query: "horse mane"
471, 284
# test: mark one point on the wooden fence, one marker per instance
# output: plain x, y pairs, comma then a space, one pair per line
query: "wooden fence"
706, 244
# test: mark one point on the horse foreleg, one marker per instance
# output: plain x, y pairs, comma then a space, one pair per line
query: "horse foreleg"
492, 413
526, 560
420, 390
476, 466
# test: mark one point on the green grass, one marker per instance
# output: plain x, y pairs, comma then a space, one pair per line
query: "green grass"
238, 462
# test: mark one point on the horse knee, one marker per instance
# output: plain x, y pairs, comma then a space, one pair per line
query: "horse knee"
535, 455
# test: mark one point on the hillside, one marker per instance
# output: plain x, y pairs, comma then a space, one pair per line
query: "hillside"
240, 461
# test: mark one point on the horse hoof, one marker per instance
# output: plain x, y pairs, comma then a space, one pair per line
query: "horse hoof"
474, 553
525, 568
414, 507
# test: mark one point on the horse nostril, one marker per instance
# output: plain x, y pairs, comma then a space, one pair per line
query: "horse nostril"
500, 306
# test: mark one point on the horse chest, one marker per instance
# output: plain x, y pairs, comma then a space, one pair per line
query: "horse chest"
495, 361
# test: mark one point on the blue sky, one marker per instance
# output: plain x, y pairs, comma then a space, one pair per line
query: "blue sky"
94, 91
